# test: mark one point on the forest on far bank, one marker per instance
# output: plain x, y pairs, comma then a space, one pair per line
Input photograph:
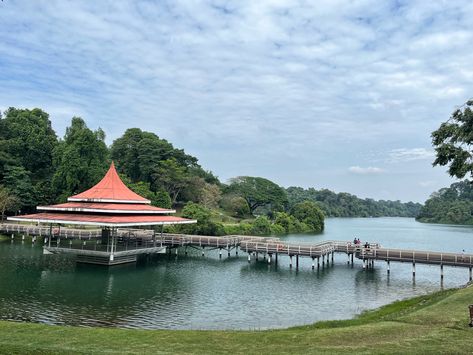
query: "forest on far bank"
38, 168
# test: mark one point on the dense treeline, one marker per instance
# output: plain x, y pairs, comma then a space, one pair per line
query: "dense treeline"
346, 205
38, 168
453, 205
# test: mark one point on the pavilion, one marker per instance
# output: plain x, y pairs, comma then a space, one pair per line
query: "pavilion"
110, 204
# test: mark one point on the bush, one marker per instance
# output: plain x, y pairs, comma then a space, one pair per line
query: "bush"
204, 225
310, 214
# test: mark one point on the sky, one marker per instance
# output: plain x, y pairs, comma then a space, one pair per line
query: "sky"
327, 94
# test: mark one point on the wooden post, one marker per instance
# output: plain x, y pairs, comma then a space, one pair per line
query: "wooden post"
220, 253
276, 261
313, 263
297, 262
333, 253
389, 267
364, 264
352, 256
249, 258
269, 258
471, 274
413, 269
203, 251
318, 262
290, 261
323, 260
441, 272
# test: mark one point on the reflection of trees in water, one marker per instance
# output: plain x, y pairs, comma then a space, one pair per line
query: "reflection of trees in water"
54, 289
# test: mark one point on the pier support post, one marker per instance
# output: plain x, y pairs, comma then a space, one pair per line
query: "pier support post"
23, 237
236, 251
203, 252
441, 272
413, 269
297, 262
228, 254
176, 250
348, 261
333, 253
471, 274
313, 263
269, 258
256, 257
276, 261
12, 236
220, 253
323, 260
352, 258
185, 251
290, 261
389, 266
249, 258
364, 264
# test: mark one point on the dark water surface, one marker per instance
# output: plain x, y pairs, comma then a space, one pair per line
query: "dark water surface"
195, 292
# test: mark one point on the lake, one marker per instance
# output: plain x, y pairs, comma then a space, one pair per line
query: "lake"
195, 292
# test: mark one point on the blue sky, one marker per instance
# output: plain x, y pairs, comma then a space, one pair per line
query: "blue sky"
329, 94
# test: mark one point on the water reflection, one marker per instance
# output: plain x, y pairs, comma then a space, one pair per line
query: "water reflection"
182, 292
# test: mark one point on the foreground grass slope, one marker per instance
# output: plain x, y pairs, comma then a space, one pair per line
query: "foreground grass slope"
436, 323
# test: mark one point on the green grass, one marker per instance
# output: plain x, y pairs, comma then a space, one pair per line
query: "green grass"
436, 323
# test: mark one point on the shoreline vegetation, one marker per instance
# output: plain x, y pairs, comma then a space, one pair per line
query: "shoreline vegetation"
433, 323
38, 168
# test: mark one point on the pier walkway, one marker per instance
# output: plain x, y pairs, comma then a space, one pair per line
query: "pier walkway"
89, 247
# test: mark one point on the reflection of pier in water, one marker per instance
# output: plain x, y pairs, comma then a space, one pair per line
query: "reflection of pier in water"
125, 245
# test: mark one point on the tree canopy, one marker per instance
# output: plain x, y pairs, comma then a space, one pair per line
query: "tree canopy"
258, 192
347, 205
452, 205
80, 159
453, 142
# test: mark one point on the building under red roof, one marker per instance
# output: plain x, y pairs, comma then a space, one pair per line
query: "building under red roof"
110, 203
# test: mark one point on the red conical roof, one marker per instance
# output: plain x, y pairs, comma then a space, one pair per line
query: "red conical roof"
110, 189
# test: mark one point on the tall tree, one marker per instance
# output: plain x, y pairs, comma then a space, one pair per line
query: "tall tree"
29, 139
258, 192
8, 202
81, 159
137, 154
453, 142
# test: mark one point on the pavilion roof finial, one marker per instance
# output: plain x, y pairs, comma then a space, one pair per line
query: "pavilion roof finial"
110, 189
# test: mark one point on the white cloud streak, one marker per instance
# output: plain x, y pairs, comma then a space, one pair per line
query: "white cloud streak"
365, 171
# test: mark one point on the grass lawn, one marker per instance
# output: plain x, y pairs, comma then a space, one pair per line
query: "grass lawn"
436, 323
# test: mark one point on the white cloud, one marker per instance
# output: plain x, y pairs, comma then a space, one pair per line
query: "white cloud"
365, 171
427, 183
406, 155
247, 84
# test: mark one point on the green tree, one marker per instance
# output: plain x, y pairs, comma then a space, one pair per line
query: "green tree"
205, 225
235, 205
453, 142
8, 202
258, 192
29, 139
18, 181
170, 176
81, 159
261, 226
309, 213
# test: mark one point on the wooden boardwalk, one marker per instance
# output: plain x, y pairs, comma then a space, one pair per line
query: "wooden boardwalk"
133, 242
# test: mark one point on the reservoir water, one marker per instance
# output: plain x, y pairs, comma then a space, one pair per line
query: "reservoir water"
195, 292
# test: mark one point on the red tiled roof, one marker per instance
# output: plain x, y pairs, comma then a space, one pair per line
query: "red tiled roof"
101, 220
110, 189
106, 208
